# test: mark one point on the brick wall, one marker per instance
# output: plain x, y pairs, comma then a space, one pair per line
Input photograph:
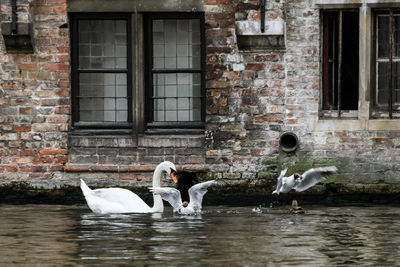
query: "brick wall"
245, 93
35, 95
252, 98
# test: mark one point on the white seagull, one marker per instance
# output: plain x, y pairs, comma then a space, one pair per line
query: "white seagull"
173, 196
302, 182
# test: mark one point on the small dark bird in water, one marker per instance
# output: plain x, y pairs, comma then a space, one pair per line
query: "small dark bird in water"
296, 209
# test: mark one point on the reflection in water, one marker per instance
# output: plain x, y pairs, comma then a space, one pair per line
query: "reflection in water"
36, 235
221, 236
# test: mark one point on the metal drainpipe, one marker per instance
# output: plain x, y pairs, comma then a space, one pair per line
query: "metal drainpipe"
14, 17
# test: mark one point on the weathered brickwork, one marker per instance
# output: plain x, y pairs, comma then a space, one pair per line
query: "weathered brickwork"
35, 95
252, 98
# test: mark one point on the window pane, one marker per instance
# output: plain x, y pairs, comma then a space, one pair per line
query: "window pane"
176, 100
349, 50
396, 82
101, 95
383, 36
383, 83
396, 33
176, 44
102, 44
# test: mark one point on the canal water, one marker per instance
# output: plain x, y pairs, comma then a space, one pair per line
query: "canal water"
51, 235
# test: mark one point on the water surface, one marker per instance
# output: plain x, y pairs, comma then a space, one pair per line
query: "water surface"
50, 235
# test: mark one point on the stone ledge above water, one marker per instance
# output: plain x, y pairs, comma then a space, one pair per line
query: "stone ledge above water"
51, 192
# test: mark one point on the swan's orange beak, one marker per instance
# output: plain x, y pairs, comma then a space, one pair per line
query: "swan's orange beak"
173, 176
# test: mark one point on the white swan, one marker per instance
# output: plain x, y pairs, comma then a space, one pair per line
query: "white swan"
173, 196
120, 200
302, 182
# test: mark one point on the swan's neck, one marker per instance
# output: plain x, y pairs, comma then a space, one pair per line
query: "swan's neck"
158, 203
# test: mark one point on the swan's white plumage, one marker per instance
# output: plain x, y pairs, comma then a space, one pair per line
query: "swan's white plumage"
120, 200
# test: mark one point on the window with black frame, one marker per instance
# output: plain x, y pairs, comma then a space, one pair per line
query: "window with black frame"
386, 82
340, 62
101, 70
175, 78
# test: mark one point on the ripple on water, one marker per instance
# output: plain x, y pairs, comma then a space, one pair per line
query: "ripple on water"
220, 236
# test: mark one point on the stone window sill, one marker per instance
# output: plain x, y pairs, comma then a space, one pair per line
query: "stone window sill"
129, 168
124, 141
360, 124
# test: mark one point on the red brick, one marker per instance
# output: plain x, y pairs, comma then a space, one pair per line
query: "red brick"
219, 49
56, 119
40, 176
16, 144
255, 66
62, 75
56, 168
248, 5
220, 102
62, 110
77, 168
56, 2
11, 168
8, 85
55, 67
216, 2
29, 67
340, 134
61, 160
128, 176
42, 10
144, 177
51, 151
269, 118
276, 67
220, 16
380, 140
32, 169
26, 111
42, 160
63, 49
105, 168
22, 128
62, 58
27, 153
63, 85
255, 15
60, 10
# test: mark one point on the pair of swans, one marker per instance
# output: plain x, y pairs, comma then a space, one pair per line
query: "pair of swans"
120, 200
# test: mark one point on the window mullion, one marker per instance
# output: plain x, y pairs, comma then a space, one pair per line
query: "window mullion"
390, 64
340, 64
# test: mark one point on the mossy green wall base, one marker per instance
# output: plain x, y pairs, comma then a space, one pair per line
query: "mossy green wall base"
238, 194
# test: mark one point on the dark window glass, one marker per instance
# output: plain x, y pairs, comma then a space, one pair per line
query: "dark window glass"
176, 73
387, 61
100, 70
340, 60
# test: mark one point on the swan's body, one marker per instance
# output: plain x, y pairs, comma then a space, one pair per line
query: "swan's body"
173, 196
302, 182
120, 200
